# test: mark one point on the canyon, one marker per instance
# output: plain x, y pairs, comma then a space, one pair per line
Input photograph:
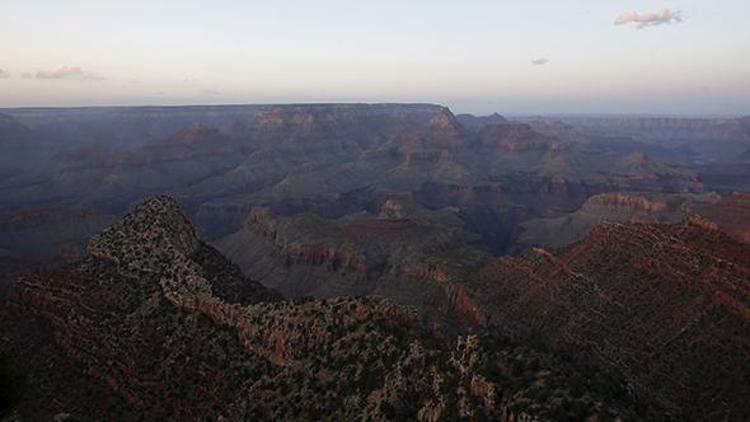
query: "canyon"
375, 262
153, 323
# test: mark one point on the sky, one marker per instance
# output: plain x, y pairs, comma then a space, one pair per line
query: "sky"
480, 56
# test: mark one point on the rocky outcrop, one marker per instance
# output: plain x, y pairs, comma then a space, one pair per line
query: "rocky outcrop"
321, 254
662, 305
151, 324
730, 215
462, 308
444, 124
263, 224
448, 295
614, 207
344, 125
396, 255
624, 201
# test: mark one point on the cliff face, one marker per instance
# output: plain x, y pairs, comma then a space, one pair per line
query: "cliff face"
348, 127
615, 207
398, 255
626, 202
156, 325
663, 305
731, 215
328, 159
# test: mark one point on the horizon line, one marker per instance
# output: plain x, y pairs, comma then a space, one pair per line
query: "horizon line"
516, 114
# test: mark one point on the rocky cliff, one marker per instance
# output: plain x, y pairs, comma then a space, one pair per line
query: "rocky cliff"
405, 254
731, 215
665, 306
155, 325
614, 207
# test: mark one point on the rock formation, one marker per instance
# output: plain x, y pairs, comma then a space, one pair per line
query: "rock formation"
665, 306
154, 324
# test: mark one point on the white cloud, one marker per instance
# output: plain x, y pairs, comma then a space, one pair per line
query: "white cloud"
4, 74
644, 20
64, 72
540, 61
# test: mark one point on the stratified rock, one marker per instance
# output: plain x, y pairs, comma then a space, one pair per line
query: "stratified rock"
665, 306
155, 325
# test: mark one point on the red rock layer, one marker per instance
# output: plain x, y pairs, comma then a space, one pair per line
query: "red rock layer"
664, 305
159, 327
730, 215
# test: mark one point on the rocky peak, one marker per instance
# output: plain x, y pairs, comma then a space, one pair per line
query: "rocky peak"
731, 215
497, 118
143, 239
445, 123
473, 122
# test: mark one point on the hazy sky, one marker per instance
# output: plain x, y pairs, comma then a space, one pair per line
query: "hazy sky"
541, 56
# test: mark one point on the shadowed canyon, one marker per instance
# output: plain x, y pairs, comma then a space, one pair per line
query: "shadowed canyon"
372, 262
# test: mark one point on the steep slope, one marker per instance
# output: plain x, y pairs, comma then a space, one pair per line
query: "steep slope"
666, 306
154, 325
730, 215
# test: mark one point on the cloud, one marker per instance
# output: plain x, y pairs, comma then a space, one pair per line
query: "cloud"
644, 20
540, 61
4, 74
64, 72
